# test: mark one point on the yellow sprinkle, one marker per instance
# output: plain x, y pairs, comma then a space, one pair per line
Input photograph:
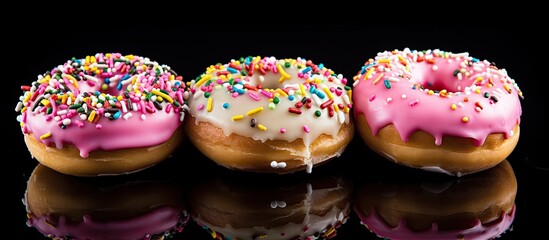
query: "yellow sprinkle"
302, 89
346, 109
384, 60
21, 124
133, 79
119, 98
45, 102
159, 99
465, 119
209, 105
477, 90
24, 109
336, 108
355, 77
453, 106
27, 97
479, 79
203, 80
172, 77
163, 95
350, 93
328, 93
129, 57
92, 116
237, 117
87, 59
74, 82
401, 59
282, 72
64, 98
507, 88
281, 92
281, 79
261, 127
45, 79
92, 59
370, 71
45, 135
431, 92
254, 111
332, 229
378, 78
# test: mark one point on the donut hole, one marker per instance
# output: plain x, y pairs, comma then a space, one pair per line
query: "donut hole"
438, 78
269, 80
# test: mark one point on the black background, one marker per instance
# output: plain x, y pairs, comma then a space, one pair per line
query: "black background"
190, 48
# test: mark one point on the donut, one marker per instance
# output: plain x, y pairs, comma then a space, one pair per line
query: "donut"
476, 206
67, 207
437, 111
105, 114
238, 209
269, 115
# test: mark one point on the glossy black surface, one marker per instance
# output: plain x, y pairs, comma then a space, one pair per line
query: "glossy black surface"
189, 49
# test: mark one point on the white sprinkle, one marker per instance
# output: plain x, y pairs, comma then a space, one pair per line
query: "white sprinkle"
354, 83
66, 121
186, 95
281, 204
83, 117
62, 112
19, 106
403, 96
57, 118
124, 108
389, 99
274, 164
19, 118
99, 105
435, 67
182, 116
107, 114
143, 117
127, 115
345, 99
134, 105
281, 165
511, 133
340, 117
153, 98
316, 99
477, 69
93, 79
261, 79
393, 79
460, 104
478, 109
274, 204
309, 168
69, 101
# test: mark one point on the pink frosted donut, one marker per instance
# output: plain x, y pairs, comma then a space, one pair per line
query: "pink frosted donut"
104, 114
436, 110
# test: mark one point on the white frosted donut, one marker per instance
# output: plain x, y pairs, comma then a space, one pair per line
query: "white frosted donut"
269, 115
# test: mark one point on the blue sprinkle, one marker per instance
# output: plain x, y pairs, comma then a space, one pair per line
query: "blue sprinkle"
291, 97
226, 105
177, 84
107, 80
320, 94
97, 93
321, 66
240, 91
125, 77
116, 115
387, 83
232, 70
363, 70
475, 60
119, 86
312, 89
306, 70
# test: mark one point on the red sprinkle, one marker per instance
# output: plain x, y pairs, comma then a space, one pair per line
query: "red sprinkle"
294, 110
25, 88
326, 104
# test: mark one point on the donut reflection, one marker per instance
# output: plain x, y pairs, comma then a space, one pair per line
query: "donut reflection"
312, 208
477, 206
131, 207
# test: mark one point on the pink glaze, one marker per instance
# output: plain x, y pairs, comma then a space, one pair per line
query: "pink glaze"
483, 102
161, 220
477, 231
131, 114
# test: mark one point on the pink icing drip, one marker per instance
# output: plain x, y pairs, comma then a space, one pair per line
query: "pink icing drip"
114, 134
157, 221
432, 113
478, 231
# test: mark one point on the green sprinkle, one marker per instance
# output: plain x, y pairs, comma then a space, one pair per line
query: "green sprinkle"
50, 110
272, 106
387, 83
318, 113
75, 106
486, 95
207, 94
287, 64
276, 100
456, 72
347, 88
